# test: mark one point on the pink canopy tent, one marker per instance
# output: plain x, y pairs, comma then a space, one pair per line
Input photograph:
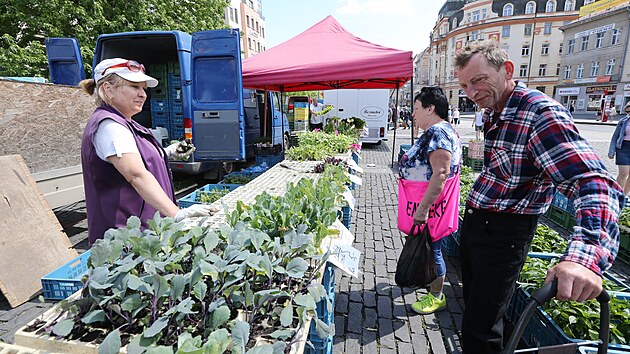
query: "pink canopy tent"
327, 56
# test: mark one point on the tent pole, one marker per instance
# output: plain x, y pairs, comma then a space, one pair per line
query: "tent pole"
395, 124
413, 130
282, 116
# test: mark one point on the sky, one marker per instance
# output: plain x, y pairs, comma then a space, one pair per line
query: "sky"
398, 24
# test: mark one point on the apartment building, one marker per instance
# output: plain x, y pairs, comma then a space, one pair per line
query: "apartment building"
595, 71
528, 30
246, 15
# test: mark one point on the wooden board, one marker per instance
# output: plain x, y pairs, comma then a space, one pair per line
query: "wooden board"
32, 243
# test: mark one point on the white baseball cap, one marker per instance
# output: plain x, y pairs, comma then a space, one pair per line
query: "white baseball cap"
129, 70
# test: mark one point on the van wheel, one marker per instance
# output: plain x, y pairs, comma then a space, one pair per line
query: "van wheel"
287, 142
228, 167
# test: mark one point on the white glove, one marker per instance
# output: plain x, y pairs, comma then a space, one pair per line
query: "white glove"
180, 150
194, 210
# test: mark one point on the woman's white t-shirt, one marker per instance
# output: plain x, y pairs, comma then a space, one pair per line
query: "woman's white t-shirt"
111, 138
478, 119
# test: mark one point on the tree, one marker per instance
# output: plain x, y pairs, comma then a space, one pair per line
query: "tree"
26, 24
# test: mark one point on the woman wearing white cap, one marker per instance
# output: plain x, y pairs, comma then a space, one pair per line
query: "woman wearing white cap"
125, 169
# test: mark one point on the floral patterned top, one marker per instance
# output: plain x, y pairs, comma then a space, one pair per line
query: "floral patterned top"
414, 165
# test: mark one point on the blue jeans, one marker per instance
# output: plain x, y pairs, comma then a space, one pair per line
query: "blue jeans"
440, 265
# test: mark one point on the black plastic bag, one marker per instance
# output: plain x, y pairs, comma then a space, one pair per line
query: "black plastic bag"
416, 265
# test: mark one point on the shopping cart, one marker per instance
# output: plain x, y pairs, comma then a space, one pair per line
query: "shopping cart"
541, 296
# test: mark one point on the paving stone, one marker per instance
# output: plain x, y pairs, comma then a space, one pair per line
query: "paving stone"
341, 303
370, 342
353, 343
369, 280
355, 315
356, 293
384, 306
386, 333
371, 318
340, 326
369, 298
405, 347
401, 331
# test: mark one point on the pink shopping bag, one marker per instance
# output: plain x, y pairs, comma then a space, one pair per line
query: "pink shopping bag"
443, 214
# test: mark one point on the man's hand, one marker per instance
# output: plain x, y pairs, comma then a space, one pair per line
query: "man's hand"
180, 150
195, 210
575, 282
420, 217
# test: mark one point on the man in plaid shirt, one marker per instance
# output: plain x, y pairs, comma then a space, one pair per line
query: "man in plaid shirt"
532, 147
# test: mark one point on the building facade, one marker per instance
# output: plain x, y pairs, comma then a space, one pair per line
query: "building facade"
528, 30
594, 67
246, 15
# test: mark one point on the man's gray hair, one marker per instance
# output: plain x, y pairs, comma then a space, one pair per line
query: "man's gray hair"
488, 48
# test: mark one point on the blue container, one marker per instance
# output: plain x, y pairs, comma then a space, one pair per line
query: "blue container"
191, 198
174, 80
177, 106
176, 132
355, 157
345, 215
159, 105
160, 119
66, 280
177, 119
270, 160
323, 345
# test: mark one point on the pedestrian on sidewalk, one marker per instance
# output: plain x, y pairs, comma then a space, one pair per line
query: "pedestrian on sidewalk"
456, 116
534, 149
611, 112
620, 147
125, 169
433, 158
478, 122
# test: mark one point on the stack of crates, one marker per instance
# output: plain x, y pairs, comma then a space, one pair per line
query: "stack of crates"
323, 345
166, 99
473, 155
562, 212
300, 116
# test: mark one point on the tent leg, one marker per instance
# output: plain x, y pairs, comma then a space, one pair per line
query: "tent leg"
281, 104
395, 124
413, 130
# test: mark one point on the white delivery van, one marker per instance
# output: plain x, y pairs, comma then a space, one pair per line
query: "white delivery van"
368, 104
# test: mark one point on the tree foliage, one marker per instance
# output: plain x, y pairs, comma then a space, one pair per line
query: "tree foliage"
25, 24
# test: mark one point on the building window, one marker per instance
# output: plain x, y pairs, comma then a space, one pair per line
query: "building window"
610, 66
508, 10
594, 69
542, 70
615, 36
580, 71
571, 46
475, 16
236, 15
262, 32
551, 6
547, 28
505, 32
455, 22
530, 7
584, 43
484, 14
249, 43
523, 70
560, 49
468, 18
568, 5
525, 50
475, 35
528, 29
599, 39
567, 72
541, 88
558, 69
544, 50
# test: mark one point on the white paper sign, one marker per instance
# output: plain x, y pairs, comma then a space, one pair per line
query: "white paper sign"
345, 237
354, 179
346, 258
347, 195
353, 165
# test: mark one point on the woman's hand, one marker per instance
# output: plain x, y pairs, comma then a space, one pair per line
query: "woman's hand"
611, 156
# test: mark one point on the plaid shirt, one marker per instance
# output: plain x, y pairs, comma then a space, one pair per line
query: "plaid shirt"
534, 146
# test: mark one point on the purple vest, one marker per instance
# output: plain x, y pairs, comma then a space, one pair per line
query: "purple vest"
110, 200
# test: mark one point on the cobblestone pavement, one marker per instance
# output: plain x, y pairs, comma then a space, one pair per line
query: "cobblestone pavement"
372, 314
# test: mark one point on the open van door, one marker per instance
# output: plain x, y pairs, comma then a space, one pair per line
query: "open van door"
218, 123
64, 61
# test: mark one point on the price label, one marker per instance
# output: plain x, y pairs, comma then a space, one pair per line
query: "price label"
346, 258
353, 165
347, 195
354, 179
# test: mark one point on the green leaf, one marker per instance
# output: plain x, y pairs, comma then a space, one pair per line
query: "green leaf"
240, 336
220, 316
156, 327
305, 300
136, 283
287, 315
63, 328
221, 337
160, 350
208, 269
94, 316
131, 303
178, 283
210, 241
297, 267
282, 334
261, 349
111, 344
200, 290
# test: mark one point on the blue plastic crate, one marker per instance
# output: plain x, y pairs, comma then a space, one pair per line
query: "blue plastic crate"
66, 280
177, 106
174, 80
251, 175
450, 245
159, 92
174, 93
159, 105
355, 157
176, 132
191, 198
318, 345
345, 215
177, 119
323, 345
270, 160
160, 119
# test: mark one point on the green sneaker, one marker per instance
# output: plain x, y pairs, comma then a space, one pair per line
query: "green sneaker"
429, 304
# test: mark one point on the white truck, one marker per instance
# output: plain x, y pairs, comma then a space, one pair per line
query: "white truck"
370, 105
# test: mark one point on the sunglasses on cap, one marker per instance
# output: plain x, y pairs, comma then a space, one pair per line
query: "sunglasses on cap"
132, 65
